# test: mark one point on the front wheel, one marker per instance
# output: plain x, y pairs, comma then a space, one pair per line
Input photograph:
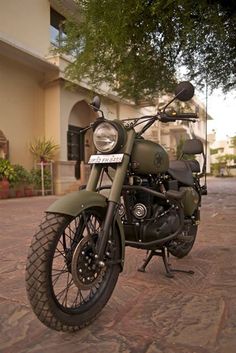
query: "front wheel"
66, 287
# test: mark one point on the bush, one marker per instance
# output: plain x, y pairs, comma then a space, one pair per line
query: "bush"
36, 179
23, 176
7, 171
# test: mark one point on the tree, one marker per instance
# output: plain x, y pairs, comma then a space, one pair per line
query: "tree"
225, 161
139, 46
233, 142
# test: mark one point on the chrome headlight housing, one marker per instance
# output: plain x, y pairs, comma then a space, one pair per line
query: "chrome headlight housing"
109, 136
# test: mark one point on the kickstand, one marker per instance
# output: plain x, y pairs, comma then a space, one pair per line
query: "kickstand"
146, 261
164, 253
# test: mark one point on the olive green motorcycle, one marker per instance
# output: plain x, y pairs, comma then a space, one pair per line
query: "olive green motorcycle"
147, 202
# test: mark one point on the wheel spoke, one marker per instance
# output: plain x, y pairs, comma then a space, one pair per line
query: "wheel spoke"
60, 253
76, 298
69, 284
86, 224
63, 271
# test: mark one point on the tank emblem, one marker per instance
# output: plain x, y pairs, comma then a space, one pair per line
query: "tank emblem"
157, 159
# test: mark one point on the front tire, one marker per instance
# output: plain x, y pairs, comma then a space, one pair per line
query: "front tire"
61, 297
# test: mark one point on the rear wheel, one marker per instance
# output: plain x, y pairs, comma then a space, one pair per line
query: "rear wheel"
66, 287
182, 245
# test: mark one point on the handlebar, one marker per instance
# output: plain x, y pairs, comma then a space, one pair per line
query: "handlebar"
150, 119
183, 116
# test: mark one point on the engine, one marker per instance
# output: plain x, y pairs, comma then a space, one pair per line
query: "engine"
145, 217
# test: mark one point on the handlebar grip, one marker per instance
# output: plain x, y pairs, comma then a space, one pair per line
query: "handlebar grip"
184, 116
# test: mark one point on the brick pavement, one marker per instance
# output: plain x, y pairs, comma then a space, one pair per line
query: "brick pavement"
148, 313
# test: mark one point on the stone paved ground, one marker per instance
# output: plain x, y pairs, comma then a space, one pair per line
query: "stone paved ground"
147, 312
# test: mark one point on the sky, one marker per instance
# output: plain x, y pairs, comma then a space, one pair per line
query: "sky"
222, 109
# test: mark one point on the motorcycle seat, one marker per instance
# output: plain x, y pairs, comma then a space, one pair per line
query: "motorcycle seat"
181, 171
194, 165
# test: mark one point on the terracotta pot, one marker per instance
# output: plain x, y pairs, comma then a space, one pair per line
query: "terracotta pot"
19, 193
4, 189
28, 191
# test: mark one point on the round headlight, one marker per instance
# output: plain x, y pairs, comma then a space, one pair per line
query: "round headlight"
105, 137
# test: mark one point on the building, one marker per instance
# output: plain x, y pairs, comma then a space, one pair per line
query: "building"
223, 155
35, 100
172, 135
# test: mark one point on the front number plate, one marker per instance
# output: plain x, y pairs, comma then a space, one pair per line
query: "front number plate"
106, 158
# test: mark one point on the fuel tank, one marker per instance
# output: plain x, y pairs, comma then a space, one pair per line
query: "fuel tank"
149, 158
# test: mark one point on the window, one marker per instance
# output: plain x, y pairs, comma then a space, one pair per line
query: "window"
57, 33
75, 144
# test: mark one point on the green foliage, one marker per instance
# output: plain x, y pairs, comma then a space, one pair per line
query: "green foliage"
215, 168
214, 150
225, 160
43, 150
37, 181
138, 46
7, 171
23, 176
233, 141
179, 149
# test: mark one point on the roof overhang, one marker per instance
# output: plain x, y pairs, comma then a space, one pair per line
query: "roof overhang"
18, 53
66, 8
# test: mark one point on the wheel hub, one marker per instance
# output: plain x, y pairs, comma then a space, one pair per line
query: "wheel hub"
84, 268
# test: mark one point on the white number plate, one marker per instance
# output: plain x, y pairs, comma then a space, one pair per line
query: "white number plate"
106, 158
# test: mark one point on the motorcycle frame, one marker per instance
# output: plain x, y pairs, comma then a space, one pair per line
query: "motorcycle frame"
73, 203
115, 191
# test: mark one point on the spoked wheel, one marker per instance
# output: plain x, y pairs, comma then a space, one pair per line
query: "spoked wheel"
182, 245
66, 286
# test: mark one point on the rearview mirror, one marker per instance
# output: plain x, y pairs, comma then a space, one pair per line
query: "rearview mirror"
184, 91
96, 103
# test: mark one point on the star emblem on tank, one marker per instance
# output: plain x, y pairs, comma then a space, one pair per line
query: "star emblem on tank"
157, 159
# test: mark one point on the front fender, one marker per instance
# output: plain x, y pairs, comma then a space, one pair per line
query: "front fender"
75, 202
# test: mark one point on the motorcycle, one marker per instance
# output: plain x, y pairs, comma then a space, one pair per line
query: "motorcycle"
150, 203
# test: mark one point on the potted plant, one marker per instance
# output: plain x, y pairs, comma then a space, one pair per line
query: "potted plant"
23, 181
36, 178
43, 150
7, 177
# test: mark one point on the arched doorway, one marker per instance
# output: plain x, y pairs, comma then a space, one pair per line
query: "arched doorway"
79, 144
4, 146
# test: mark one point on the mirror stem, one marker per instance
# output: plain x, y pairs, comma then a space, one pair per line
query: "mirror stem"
172, 100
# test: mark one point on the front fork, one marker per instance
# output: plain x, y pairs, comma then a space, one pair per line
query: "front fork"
114, 195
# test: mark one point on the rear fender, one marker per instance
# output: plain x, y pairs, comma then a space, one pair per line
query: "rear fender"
73, 203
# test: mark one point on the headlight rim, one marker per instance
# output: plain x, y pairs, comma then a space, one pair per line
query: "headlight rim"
121, 135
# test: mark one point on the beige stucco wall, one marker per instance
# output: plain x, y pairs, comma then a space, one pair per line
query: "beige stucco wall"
26, 23
21, 108
68, 99
52, 111
128, 112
